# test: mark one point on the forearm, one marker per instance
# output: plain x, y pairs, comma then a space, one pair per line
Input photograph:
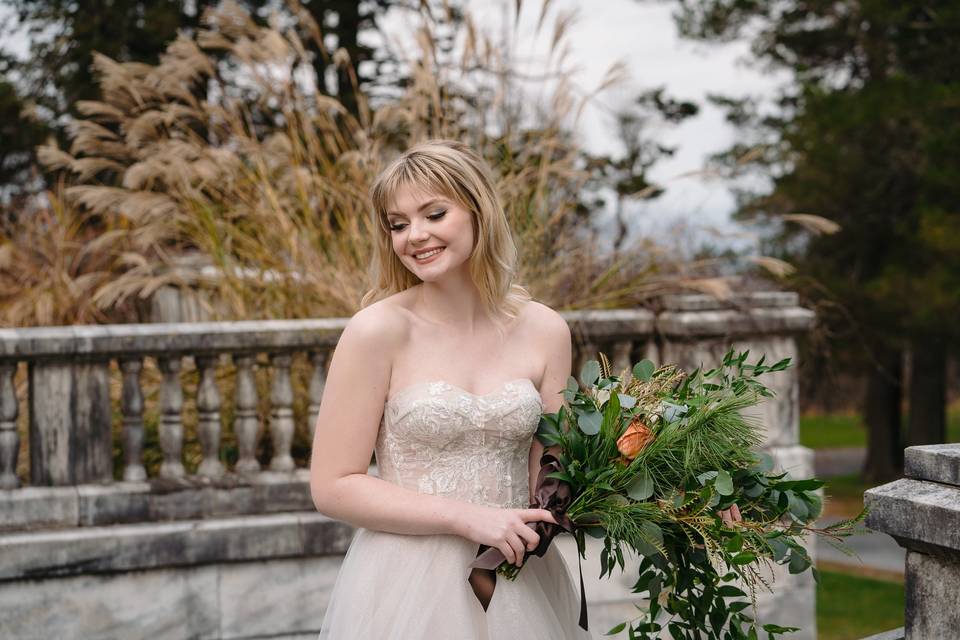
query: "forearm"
369, 502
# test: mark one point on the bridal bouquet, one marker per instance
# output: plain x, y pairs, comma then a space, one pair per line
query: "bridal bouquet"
664, 463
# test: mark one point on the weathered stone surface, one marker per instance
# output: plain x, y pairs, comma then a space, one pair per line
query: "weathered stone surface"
780, 414
610, 323
70, 416
752, 321
932, 600
33, 507
922, 516
193, 497
164, 604
253, 603
935, 462
113, 504
188, 337
155, 545
700, 302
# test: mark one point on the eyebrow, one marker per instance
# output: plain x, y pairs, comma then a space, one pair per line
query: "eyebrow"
425, 205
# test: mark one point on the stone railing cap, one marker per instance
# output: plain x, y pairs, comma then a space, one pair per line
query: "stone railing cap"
921, 515
933, 462
703, 302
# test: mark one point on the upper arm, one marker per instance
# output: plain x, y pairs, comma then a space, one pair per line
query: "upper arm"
558, 363
353, 397
554, 332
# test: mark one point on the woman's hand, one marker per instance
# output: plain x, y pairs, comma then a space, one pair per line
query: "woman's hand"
503, 529
731, 515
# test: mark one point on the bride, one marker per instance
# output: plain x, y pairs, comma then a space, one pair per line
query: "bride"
443, 374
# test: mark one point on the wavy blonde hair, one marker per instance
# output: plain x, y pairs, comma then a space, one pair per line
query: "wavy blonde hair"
453, 170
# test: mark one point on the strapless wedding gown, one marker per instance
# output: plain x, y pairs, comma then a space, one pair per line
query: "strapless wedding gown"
439, 439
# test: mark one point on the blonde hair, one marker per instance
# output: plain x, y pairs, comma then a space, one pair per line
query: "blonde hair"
453, 170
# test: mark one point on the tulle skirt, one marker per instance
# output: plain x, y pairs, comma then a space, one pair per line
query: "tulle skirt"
409, 587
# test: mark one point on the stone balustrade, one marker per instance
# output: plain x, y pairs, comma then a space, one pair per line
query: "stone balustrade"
922, 513
205, 542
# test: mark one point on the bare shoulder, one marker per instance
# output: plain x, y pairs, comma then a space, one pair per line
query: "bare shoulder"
541, 320
380, 327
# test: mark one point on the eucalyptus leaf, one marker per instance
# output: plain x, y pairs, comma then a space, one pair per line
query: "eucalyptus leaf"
706, 476
572, 384
590, 372
626, 402
723, 483
590, 422
798, 562
643, 370
641, 487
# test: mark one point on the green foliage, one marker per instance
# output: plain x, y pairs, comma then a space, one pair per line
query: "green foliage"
864, 134
692, 461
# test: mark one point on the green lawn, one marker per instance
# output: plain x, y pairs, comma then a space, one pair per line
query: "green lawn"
850, 607
819, 431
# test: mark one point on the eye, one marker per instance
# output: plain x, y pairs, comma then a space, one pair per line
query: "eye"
437, 215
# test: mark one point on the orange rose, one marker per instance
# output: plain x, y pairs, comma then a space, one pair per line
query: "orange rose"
635, 439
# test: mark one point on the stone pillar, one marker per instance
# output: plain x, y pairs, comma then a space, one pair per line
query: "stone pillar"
922, 513
70, 423
696, 331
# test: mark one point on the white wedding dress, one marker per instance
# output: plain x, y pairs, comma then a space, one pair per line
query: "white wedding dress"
439, 439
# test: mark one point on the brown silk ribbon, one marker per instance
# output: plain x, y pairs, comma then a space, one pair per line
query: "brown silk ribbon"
555, 496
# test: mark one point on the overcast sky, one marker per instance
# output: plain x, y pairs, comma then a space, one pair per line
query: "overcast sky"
643, 35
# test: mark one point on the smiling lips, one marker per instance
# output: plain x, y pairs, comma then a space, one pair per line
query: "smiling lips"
428, 254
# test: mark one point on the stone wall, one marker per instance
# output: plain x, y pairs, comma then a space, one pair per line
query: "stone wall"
240, 553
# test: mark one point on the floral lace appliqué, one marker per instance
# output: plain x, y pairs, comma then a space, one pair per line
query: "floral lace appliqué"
439, 439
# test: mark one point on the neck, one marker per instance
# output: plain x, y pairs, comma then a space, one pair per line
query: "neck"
454, 301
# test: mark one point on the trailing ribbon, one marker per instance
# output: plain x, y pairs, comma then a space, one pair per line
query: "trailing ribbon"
555, 496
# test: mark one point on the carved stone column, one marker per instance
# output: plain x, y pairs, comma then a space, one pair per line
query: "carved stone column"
281, 412
131, 406
208, 417
246, 424
171, 419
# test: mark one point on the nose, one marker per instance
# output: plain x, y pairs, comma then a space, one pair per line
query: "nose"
418, 233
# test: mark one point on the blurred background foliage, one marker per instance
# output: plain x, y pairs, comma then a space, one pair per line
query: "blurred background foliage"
225, 149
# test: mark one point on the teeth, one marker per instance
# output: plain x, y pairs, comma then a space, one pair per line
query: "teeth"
421, 256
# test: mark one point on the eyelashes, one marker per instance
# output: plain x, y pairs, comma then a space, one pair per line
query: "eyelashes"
433, 216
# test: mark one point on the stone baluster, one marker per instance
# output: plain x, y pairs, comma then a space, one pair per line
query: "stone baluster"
131, 407
317, 382
620, 356
9, 437
246, 424
208, 417
587, 351
171, 420
281, 412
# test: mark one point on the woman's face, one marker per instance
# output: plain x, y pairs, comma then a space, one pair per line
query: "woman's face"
431, 234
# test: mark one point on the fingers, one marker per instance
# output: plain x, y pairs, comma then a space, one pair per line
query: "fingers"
529, 515
530, 537
517, 545
735, 513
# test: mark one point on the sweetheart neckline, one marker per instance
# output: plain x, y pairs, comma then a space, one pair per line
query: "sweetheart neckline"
455, 387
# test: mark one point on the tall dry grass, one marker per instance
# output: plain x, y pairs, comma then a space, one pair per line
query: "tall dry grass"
218, 151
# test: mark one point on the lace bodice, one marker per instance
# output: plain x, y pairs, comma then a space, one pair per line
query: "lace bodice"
439, 439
